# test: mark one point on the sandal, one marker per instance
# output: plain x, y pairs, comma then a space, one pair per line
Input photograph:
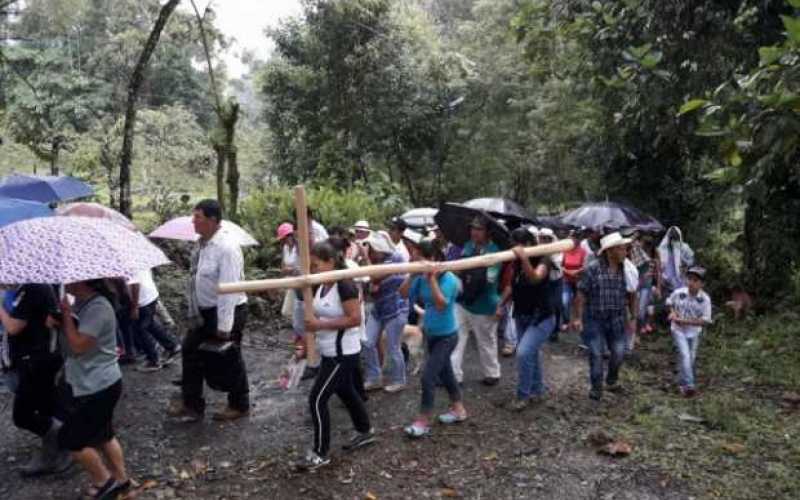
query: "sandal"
104, 492
452, 417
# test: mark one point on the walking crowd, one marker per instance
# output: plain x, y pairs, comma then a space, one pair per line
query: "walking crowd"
63, 346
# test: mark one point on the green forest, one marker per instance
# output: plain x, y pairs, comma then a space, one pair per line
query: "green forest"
688, 110
685, 109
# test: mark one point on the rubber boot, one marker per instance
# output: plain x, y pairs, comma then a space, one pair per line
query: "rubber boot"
59, 460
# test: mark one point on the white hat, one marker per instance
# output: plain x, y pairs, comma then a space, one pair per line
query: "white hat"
546, 231
361, 225
533, 230
412, 236
613, 240
380, 241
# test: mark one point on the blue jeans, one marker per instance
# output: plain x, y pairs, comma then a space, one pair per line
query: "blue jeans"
394, 336
601, 333
567, 296
687, 353
645, 298
439, 368
529, 364
149, 331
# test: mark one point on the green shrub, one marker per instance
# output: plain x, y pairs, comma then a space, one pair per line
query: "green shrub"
262, 211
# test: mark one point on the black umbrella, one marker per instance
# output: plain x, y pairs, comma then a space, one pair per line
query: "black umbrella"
502, 208
612, 215
454, 221
554, 222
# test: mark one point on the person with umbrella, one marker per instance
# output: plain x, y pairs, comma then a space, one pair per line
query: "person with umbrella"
218, 321
35, 361
88, 334
478, 305
603, 293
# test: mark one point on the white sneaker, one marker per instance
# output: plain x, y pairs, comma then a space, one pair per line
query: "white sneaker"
394, 387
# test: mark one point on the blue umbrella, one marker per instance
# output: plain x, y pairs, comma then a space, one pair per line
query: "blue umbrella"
13, 210
44, 188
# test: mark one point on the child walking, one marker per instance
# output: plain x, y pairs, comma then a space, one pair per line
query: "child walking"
690, 311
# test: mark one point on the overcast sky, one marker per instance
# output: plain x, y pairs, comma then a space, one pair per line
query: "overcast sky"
245, 21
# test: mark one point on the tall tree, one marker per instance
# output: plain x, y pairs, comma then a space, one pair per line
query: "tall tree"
134, 87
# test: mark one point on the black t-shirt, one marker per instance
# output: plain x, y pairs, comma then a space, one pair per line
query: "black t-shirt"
32, 304
532, 299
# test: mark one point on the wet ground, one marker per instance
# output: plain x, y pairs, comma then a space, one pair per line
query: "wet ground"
544, 452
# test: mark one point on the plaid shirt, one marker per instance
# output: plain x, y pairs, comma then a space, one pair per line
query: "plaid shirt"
605, 290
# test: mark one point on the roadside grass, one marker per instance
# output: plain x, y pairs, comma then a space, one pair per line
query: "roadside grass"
740, 438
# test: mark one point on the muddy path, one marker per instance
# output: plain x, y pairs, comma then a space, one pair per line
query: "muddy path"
543, 452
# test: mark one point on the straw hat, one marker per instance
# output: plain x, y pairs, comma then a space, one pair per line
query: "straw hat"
613, 240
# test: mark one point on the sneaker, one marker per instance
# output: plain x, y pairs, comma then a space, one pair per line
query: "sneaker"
491, 381
359, 440
519, 404
229, 414
417, 430
373, 386
452, 417
171, 355
149, 367
182, 414
311, 462
596, 394
394, 387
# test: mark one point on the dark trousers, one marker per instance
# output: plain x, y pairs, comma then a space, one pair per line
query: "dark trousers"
438, 368
601, 334
36, 399
336, 376
149, 331
194, 364
125, 333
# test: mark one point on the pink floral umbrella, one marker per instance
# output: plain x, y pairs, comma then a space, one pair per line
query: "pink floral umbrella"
181, 228
86, 209
69, 249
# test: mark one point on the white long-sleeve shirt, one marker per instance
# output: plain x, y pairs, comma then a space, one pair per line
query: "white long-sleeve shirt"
220, 261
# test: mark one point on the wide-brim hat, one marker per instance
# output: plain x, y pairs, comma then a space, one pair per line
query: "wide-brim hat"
613, 240
361, 225
380, 242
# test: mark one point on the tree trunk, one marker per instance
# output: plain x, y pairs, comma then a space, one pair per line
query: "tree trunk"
54, 156
134, 86
221, 156
233, 164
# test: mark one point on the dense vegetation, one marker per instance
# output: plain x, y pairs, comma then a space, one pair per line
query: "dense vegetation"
688, 109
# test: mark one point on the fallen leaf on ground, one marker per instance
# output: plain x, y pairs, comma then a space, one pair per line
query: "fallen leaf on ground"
617, 449
370, 496
449, 493
734, 448
491, 456
184, 475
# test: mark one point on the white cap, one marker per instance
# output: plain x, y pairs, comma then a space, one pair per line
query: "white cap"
361, 225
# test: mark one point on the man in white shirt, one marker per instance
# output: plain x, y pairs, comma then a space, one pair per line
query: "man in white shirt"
397, 227
218, 322
144, 302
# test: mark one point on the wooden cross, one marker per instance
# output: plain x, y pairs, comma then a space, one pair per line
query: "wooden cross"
303, 235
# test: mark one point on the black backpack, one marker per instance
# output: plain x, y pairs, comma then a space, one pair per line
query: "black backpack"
474, 283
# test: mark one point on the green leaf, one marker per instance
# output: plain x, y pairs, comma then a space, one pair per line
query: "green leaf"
792, 25
770, 55
641, 51
652, 59
734, 158
692, 105
794, 3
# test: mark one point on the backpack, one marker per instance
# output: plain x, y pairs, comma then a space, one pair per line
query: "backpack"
474, 283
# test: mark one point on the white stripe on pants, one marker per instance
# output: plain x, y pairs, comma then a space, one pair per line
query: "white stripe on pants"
485, 329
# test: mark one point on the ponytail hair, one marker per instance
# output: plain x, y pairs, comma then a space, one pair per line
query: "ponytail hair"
325, 250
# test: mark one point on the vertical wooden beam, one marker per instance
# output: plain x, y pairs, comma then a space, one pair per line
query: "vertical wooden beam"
304, 247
